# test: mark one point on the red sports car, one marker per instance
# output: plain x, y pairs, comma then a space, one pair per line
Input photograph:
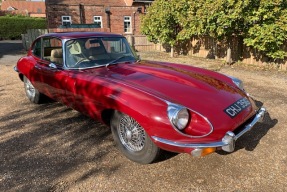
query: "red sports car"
149, 105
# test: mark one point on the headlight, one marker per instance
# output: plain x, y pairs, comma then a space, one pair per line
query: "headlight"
237, 82
178, 115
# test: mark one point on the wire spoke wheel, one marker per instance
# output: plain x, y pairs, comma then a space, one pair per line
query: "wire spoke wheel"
32, 93
30, 89
131, 134
132, 139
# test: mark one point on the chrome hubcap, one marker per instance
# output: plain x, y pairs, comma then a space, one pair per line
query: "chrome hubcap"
131, 134
30, 88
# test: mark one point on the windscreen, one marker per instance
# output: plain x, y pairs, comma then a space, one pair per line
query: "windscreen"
97, 52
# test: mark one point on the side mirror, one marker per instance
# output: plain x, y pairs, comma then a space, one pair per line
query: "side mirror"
53, 66
139, 57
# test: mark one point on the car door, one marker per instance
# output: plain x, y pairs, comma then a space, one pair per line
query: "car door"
49, 74
85, 91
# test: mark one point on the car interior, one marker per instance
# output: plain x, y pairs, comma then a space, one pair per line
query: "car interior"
57, 56
52, 50
90, 52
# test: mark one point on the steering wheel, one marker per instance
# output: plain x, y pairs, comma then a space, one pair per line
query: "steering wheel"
81, 60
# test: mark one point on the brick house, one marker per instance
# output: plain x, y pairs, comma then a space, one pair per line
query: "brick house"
117, 16
27, 8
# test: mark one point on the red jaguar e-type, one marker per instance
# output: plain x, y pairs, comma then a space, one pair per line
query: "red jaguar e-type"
149, 105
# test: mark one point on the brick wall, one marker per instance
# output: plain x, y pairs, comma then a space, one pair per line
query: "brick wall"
56, 30
88, 2
118, 9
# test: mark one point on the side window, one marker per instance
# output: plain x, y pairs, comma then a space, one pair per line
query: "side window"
114, 45
37, 48
53, 50
98, 21
127, 24
66, 20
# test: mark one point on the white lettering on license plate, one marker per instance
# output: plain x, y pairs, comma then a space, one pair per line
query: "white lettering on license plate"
234, 109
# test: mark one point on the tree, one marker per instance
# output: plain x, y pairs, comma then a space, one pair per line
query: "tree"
179, 20
268, 28
220, 19
261, 24
159, 24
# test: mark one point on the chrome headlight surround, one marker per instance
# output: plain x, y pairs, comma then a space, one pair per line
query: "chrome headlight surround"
237, 82
178, 115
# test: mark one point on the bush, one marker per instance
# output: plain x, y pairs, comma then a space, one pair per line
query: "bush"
13, 26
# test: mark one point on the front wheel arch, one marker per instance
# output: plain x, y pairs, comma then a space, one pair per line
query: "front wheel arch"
107, 115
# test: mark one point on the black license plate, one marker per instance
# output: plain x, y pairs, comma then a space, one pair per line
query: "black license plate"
234, 109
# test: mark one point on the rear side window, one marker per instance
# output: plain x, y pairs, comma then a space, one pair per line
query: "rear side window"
37, 48
52, 50
50, 43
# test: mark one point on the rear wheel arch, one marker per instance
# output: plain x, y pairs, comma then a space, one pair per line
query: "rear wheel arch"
31, 92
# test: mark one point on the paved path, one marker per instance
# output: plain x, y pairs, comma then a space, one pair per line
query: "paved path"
11, 51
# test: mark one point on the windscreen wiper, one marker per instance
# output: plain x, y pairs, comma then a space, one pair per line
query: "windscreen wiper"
114, 61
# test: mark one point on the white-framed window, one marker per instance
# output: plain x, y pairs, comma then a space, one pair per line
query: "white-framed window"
98, 21
127, 24
66, 20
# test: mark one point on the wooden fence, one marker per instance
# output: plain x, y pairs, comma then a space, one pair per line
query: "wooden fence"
30, 36
207, 47
141, 43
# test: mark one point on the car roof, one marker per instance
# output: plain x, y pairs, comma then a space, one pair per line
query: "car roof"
73, 35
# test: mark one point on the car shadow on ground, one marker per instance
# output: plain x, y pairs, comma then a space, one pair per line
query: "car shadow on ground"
251, 139
42, 143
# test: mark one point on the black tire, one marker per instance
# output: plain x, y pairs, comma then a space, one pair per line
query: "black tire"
32, 93
132, 140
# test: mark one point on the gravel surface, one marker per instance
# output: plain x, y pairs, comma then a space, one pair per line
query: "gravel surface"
50, 147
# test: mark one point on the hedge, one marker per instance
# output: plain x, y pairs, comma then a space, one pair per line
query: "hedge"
11, 27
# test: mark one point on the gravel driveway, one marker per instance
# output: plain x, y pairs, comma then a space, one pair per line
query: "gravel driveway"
50, 147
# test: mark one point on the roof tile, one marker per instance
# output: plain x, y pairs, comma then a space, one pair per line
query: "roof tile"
30, 6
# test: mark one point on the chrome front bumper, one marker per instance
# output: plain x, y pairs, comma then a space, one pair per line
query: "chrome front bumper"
227, 143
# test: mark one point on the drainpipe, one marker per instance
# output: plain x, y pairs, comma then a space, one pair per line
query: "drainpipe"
139, 10
82, 13
134, 23
108, 13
